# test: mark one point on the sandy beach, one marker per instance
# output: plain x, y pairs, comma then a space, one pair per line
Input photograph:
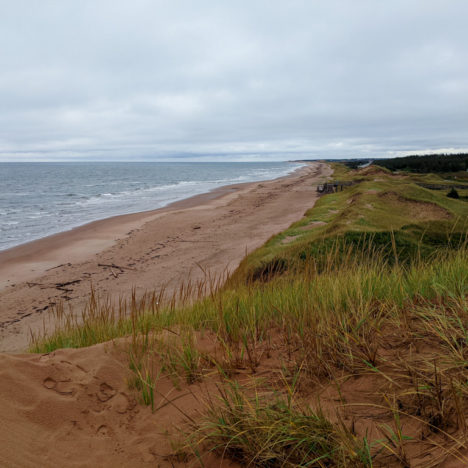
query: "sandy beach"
148, 250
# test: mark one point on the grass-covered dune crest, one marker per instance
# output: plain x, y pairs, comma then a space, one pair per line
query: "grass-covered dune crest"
382, 211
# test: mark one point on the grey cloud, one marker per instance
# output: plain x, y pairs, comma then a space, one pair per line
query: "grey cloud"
231, 80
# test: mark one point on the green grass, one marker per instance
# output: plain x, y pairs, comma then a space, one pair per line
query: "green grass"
382, 212
246, 312
273, 432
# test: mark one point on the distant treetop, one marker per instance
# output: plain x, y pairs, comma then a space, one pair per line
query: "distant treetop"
427, 163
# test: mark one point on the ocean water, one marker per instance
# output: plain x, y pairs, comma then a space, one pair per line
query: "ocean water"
39, 199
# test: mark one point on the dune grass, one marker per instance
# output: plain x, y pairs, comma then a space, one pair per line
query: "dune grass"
389, 213
370, 294
257, 431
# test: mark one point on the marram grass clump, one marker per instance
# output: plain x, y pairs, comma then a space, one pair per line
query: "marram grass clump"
272, 431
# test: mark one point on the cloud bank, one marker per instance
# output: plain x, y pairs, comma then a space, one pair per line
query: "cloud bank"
245, 80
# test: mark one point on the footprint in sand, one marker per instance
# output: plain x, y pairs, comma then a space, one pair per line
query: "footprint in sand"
62, 387
122, 403
103, 431
49, 383
65, 387
106, 392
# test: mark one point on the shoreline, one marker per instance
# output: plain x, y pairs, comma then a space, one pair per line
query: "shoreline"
171, 204
94, 236
157, 248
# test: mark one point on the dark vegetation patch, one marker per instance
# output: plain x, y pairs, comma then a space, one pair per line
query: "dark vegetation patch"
427, 163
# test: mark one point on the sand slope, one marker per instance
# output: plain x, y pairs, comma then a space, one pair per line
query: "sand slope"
73, 408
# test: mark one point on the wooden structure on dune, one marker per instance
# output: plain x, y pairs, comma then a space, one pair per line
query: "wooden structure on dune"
335, 186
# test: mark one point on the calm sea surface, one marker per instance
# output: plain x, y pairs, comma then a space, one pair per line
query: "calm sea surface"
39, 199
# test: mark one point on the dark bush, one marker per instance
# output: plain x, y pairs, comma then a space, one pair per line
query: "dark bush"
453, 194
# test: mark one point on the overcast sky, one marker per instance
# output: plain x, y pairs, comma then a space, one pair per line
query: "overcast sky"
225, 80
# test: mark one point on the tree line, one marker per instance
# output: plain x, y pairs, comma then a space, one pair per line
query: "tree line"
427, 163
